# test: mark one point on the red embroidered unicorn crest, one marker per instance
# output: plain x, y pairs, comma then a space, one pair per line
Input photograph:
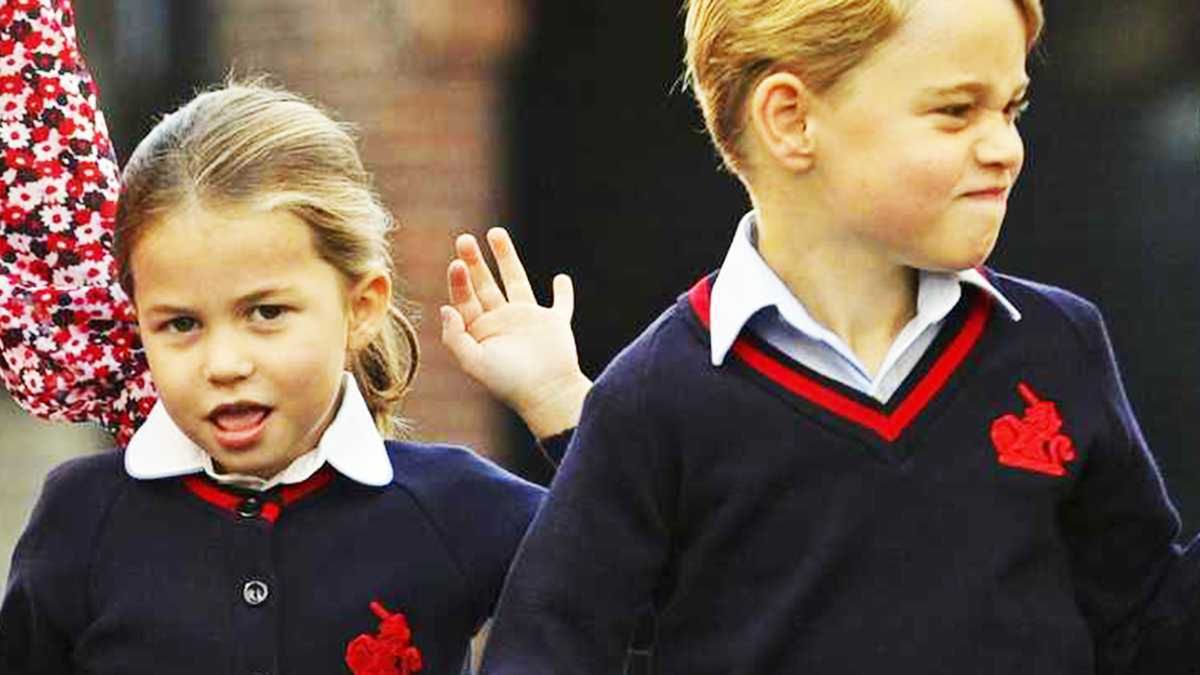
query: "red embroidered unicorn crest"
388, 652
1034, 441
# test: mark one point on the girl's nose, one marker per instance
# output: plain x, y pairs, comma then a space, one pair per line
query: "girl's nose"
226, 360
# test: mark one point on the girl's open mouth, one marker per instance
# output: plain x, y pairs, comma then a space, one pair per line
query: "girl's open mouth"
239, 425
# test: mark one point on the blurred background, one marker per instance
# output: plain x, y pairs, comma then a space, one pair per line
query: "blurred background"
565, 121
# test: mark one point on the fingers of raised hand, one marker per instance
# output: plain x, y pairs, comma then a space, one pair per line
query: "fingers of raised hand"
486, 290
512, 271
462, 292
456, 338
564, 296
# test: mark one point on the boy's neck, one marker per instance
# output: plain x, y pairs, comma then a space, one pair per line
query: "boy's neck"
865, 299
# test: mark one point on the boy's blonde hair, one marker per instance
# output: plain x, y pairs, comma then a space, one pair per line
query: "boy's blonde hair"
733, 44
253, 146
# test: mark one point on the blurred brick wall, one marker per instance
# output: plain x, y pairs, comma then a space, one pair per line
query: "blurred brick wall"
420, 79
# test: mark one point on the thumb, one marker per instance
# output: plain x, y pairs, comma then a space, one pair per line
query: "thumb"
564, 296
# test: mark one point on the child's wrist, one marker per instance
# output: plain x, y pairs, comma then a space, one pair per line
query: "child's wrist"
557, 408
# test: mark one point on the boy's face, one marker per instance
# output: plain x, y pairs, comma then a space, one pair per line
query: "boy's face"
246, 331
917, 148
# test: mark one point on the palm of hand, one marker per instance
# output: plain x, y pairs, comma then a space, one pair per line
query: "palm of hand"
523, 352
523, 349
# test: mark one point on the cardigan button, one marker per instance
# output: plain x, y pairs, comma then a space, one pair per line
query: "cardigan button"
250, 507
255, 592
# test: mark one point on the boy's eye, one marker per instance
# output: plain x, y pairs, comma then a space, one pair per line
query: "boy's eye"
267, 312
1016, 109
181, 324
957, 110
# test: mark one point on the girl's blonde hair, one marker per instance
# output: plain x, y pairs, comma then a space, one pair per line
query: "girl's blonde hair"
733, 44
254, 146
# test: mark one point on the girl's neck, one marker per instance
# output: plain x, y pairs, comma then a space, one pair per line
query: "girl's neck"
860, 295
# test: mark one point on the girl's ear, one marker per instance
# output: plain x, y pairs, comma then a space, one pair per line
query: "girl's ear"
779, 118
368, 302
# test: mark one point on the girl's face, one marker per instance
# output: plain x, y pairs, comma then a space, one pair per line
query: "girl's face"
917, 148
246, 330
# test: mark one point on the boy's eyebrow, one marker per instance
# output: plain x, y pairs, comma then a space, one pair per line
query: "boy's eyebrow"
977, 89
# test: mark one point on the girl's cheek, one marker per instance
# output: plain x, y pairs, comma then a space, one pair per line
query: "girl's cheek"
308, 360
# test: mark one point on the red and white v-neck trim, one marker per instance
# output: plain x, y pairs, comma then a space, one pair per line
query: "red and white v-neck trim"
889, 422
268, 506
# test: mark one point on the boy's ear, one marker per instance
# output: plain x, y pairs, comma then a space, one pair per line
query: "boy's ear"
369, 300
779, 115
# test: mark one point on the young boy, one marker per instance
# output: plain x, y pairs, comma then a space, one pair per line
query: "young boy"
852, 450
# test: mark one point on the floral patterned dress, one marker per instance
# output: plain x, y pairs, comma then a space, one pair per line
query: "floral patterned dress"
69, 348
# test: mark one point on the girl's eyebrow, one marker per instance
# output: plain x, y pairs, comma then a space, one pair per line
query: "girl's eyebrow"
244, 301
257, 296
168, 309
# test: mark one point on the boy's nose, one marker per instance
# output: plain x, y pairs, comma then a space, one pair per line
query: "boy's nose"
1001, 145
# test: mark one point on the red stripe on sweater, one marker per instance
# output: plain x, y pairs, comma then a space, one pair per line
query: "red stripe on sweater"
887, 426
221, 498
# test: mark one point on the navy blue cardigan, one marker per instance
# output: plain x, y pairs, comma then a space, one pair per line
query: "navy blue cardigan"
119, 576
1001, 514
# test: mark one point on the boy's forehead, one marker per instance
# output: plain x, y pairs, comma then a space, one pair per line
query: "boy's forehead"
959, 43
940, 23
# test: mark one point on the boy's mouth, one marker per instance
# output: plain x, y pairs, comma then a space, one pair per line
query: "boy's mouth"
239, 425
994, 193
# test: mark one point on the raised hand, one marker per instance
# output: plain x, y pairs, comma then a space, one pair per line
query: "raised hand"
523, 352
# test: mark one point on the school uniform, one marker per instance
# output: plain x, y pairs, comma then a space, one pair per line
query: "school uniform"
148, 561
996, 512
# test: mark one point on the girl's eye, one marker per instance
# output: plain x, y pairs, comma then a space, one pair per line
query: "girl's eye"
267, 312
181, 324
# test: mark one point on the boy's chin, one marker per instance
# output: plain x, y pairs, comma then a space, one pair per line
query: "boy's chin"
951, 262
957, 259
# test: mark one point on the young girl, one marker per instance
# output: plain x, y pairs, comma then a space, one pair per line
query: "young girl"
258, 522
68, 337
852, 450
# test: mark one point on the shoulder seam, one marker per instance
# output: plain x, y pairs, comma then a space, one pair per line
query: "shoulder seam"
102, 523
455, 556
1093, 351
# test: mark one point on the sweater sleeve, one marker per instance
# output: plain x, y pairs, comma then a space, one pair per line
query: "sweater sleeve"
595, 550
68, 341
1138, 586
45, 603
555, 447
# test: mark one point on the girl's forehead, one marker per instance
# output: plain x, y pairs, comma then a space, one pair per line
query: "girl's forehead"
202, 230
202, 250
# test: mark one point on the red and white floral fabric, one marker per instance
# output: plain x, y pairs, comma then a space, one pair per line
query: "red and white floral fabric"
69, 348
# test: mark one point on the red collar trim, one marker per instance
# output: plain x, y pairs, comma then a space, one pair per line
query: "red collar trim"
888, 426
231, 501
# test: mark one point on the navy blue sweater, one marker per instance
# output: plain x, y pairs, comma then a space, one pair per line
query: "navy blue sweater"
1001, 514
119, 576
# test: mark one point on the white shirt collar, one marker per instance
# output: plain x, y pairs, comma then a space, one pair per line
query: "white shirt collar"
351, 444
746, 284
